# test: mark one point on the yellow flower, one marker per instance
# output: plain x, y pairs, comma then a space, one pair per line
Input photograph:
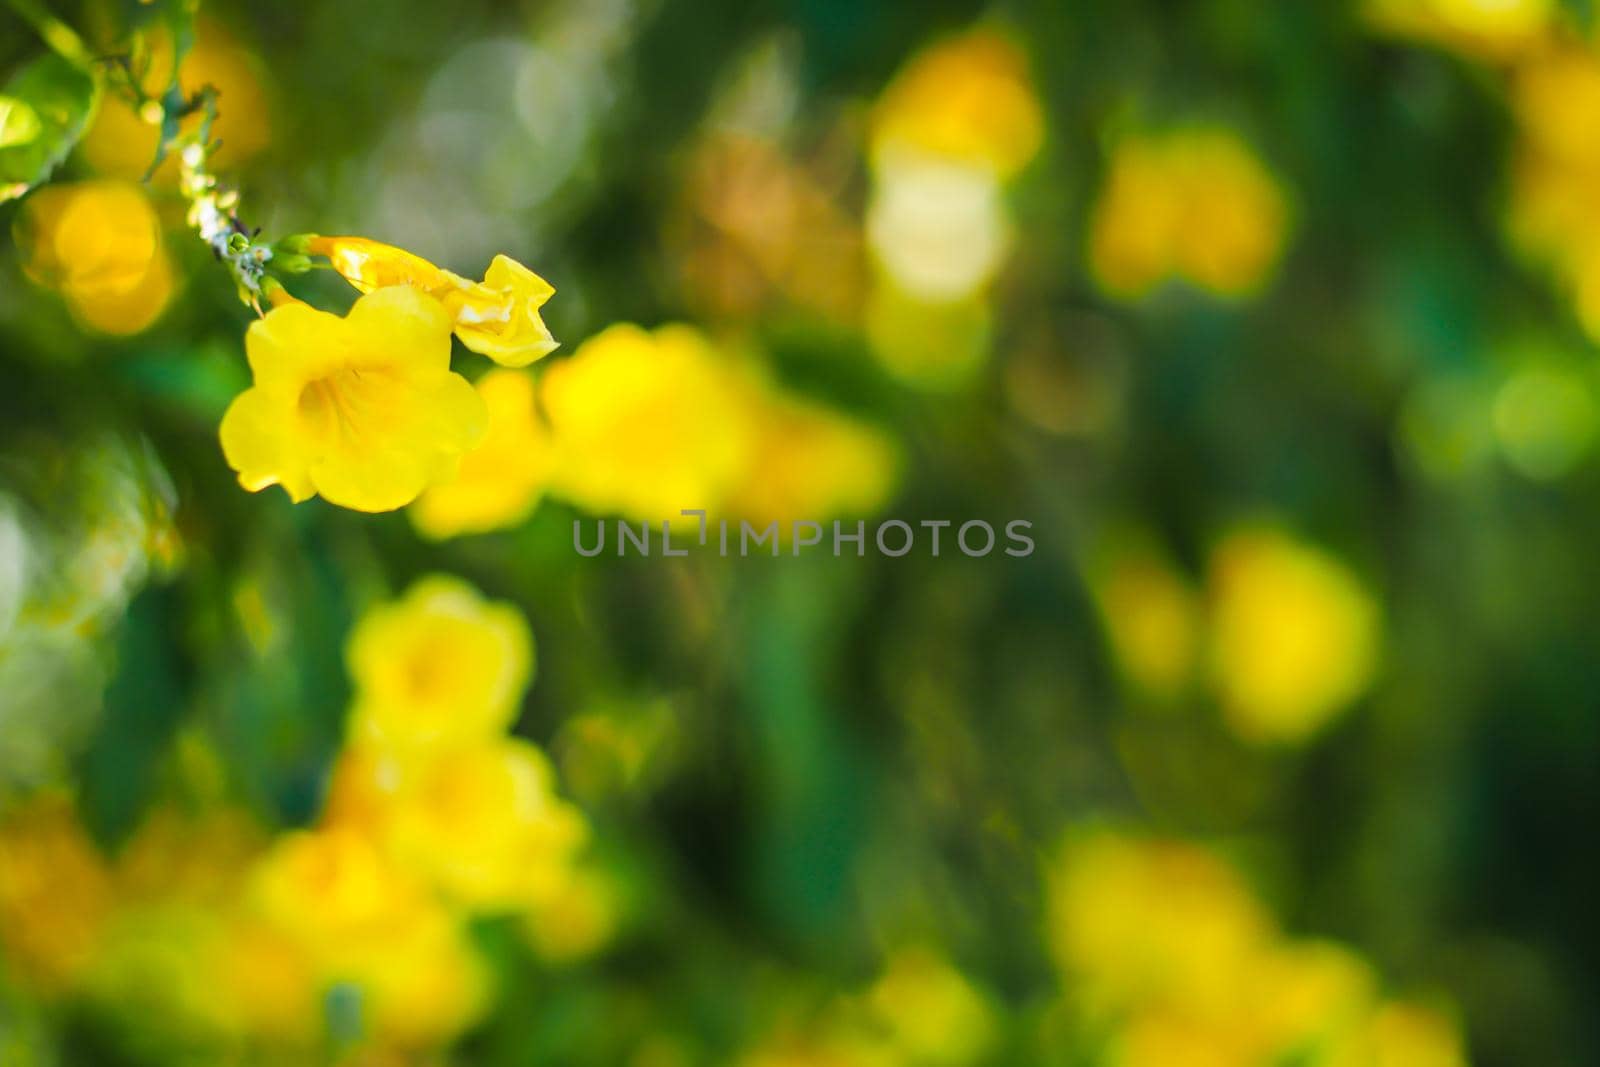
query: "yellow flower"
1193, 203
121, 143
55, 895
1492, 29
481, 823
1151, 615
930, 1010
1294, 635
99, 243
365, 925
646, 424
575, 918
501, 480
363, 410
810, 463
439, 665
968, 98
1136, 921
497, 317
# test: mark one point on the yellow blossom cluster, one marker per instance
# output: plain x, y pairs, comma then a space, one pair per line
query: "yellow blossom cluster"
353, 929
1167, 953
1287, 635
365, 410
1193, 203
99, 244
953, 128
644, 424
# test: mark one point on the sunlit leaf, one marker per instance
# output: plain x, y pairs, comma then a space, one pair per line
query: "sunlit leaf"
60, 99
19, 123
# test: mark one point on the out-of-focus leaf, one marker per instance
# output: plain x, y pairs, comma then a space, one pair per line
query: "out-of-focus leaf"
61, 99
19, 123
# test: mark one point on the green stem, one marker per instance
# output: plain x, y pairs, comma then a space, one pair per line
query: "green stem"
61, 38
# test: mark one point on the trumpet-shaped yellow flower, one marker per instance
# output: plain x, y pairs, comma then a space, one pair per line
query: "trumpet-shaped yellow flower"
647, 424
481, 823
968, 98
99, 243
497, 317
1294, 635
440, 665
363, 410
500, 481
1195, 204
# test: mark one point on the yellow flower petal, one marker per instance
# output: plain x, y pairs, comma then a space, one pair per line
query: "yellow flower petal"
500, 318
501, 480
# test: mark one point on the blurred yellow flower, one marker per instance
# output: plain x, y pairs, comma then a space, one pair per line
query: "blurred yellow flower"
968, 98
1553, 98
1194, 203
931, 1013
263, 982
99, 243
481, 822
574, 918
121, 143
497, 317
1152, 616
646, 424
55, 895
1294, 635
368, 927
1492, 29
500, 481
1553, 215
809, 463
931, 344
1138, 921
440, 665
363, 410
1404, 1035
1164, 946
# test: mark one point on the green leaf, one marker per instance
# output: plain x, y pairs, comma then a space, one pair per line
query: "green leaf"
19, 123
61, 100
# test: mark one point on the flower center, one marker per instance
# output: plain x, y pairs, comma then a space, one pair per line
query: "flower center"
345, 404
